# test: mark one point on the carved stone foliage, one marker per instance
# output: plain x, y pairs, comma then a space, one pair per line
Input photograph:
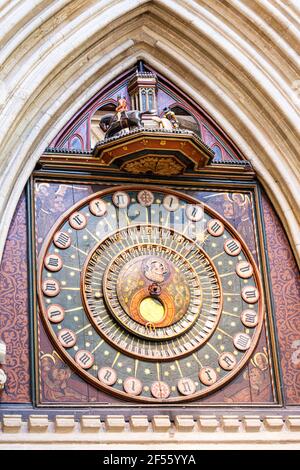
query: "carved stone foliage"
286, 291
14, 319
154, 165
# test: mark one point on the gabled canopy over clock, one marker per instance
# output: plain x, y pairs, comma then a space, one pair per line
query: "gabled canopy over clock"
155, 152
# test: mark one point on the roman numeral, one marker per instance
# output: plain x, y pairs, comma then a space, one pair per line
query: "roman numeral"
121, 199
78, 219
208, 375
250, 294
53, 262
54, 313
50, 286
245, 269
132, 385
186, 386
62, 240
67, 337
97, 204
194, 211
250, 318
107, 375
242, 341
84, 358
171, 202
228, 360
215, 227
232, 246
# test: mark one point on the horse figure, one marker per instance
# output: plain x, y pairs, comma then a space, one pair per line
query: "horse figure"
129, 119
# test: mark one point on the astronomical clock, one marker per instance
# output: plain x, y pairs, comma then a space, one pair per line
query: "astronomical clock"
147, 284
141, 263
136, 286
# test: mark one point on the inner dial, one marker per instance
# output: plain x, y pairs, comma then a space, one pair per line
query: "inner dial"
153, 291
154, 288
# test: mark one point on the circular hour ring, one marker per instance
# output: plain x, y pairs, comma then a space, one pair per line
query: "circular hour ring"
134, 321
187, 325
62, 226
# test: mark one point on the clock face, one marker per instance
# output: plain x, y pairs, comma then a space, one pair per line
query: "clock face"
149, 294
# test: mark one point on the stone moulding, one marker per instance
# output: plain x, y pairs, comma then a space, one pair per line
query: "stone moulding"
204, 430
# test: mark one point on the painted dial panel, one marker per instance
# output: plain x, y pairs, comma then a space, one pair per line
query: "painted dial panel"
156, 302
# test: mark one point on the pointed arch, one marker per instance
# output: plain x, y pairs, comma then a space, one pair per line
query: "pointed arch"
237, 65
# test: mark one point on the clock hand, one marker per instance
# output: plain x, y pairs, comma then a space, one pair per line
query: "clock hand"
154, 289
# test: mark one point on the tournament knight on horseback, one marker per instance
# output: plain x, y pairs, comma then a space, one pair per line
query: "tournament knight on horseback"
121, 108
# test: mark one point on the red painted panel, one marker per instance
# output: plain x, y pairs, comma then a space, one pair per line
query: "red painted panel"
14, 317
286, 291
